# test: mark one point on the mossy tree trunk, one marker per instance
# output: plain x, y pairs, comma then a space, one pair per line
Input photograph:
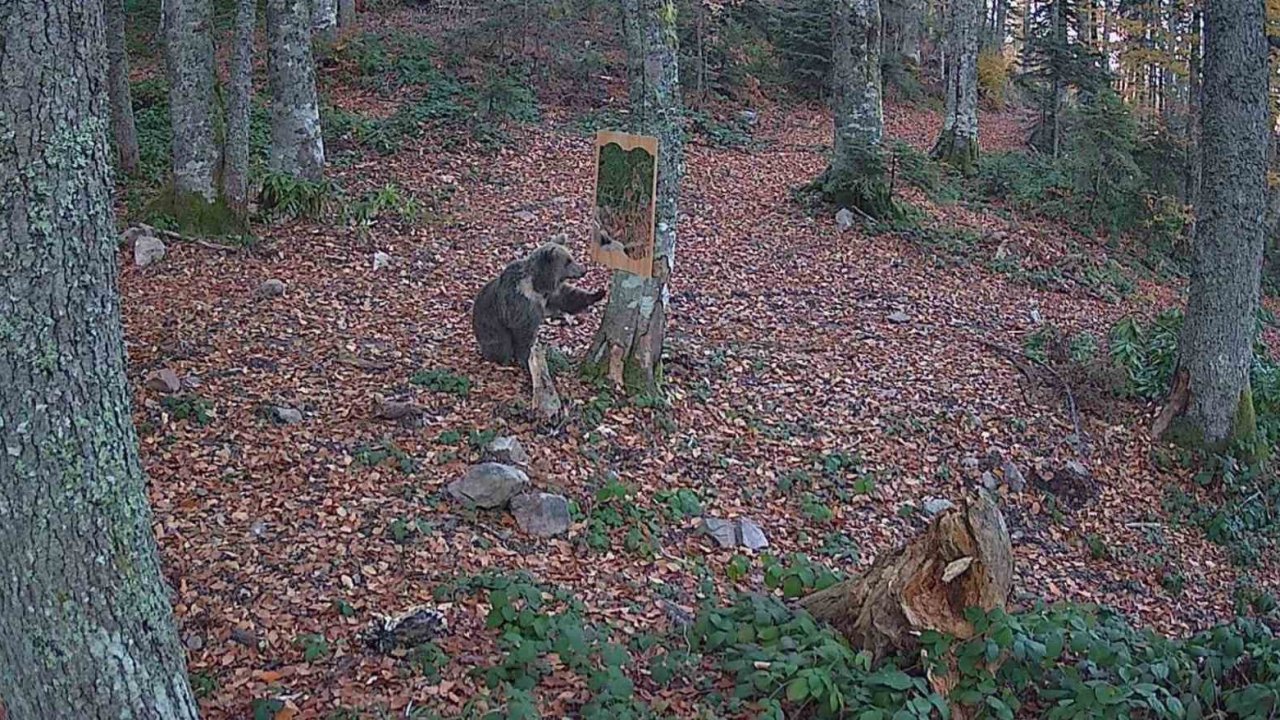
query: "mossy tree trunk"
856, 176
235, 172
628, 346
86, 630
297, 149
963, 559
192, 200
1216, 345
957, 145
122, 125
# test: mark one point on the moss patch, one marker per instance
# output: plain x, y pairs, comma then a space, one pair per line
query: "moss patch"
191, 214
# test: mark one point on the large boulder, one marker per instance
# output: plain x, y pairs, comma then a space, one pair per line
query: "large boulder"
147, 249
488, 485
541, 514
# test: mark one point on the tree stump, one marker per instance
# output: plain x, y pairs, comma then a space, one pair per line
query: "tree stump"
546, 401
963, 559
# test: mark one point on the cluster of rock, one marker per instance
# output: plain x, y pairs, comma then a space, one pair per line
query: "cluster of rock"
499, 483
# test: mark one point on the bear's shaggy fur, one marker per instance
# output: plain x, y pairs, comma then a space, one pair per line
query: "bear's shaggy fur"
509, 310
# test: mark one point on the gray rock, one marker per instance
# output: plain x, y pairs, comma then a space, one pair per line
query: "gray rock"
932, 506
380, 260
147, 249
844, 219
969, 462
989, 481
163, 380
488, 485
525, 216
1075, 468
899, 318
1013, 477
507, 450
541, 514
271, 288
748, 117
724, 532
1036, 317
752, 535
287, 415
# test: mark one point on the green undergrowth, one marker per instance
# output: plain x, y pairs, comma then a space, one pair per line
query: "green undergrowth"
759, 656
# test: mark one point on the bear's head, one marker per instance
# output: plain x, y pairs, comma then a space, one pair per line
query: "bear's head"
551, 265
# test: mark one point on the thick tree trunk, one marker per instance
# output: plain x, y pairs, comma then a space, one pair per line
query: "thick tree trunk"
86, 630
957, 145
324, 20
963, 559
856, 177
346, 15
122, 127
628, 346
235, 173
903, 26
1216, 346
999, 24
297, 149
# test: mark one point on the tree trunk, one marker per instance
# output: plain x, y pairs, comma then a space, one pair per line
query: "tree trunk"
999, 25
235, 174
126, 134
86, 630
856, 177
346, 15
297, 149
1216, 346
903, 25
628, 346
324, 20
192, 199
957, 145
963, 559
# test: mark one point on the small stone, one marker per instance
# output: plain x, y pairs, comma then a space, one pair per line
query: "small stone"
989, 481
380, 260
722, 531
969, 462
488, 485
748, 117
753, 537
541, 514
163, 380
1075, 468
448, 179
147, 249
258, 528
1013, 477
287, 415
271, 288
1036, 317
507, 450
899, 318
244, 637
844, 219
194, 642
933, 506
525, 216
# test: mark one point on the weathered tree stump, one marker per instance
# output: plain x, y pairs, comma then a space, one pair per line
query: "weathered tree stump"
963, 559
546, 401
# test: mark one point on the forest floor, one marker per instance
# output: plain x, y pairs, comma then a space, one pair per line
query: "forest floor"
794, 400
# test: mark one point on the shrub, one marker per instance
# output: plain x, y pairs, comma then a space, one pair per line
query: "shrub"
993, 77
286, 197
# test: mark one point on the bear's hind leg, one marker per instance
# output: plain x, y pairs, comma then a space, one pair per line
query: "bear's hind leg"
497, 348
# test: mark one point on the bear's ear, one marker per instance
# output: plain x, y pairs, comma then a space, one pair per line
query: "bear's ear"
560, 239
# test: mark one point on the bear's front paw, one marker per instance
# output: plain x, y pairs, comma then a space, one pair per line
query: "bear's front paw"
597, 296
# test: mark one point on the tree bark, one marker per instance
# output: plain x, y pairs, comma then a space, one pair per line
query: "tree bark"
1216, 345
297, 149
189, 45
628, 346
903, 26
963, 559
86, 630
346, 15
122, 126
856, 177
957, 145
324, 20
235, 174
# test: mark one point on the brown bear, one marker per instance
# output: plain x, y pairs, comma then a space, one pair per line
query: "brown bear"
509, 310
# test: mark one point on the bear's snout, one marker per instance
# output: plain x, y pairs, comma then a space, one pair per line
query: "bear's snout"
573, 271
